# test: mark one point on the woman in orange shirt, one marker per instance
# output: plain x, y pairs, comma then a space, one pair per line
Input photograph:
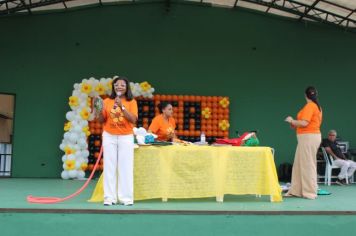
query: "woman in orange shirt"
164, 124
119, 115
307, 125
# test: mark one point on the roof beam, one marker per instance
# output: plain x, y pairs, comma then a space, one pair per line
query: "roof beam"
21, 7
307, 10
271, 5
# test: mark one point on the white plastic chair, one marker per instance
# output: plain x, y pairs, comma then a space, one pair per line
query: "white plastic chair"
329, 166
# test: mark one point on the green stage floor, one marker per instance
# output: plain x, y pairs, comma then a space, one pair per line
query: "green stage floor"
13, 193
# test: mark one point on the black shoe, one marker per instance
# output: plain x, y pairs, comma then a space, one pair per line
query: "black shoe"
340, 182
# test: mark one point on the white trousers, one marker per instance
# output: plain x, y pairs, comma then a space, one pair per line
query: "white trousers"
347, 168
118, 168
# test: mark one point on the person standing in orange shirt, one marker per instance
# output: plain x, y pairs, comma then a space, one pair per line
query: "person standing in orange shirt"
164, 124
307, 125
119, 115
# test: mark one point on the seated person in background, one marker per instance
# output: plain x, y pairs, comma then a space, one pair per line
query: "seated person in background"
348, 167
164, 124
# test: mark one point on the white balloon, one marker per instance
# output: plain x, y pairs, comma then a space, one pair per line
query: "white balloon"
76, 86
82, 143
78, 164
62, 146
70, 157
83, 123
66, 136
77, 129
73, 137
64, 174
76, 147
83, 96
85, 153
84, 80
70, 116
72, 173
82, 135
64, 158
80, 174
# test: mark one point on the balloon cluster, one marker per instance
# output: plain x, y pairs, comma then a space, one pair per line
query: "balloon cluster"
193, 115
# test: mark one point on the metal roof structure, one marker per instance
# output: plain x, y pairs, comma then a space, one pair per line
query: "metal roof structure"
341, 13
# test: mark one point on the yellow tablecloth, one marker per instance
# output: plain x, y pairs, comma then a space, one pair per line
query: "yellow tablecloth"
201, 171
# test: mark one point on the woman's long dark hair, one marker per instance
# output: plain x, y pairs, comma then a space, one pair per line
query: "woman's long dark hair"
312, 94
128, 93
162, 106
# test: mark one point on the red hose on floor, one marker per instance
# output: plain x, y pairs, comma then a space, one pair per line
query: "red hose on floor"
51, 200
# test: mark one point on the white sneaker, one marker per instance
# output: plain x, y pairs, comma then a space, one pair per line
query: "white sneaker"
109, 203
126, 203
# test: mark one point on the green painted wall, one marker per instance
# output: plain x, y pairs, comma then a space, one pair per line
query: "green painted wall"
263, 63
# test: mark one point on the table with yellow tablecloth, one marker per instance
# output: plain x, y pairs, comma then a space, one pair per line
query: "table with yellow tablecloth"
201, 171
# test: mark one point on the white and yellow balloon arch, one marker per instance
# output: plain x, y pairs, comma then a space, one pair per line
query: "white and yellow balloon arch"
74, 142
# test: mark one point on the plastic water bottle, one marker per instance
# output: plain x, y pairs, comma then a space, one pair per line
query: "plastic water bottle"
202, 137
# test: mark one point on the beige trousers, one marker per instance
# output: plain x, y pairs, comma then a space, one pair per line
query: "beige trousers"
304, 175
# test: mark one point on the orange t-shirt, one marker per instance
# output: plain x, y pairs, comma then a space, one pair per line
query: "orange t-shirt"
115, 121
311, 113
163, 128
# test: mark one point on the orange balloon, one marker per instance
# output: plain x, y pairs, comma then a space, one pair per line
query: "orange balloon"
214, 133
192, 98
163, 98
180, 98
208, 133
214, 99
185, 98
197, 133
157, 97
192, 109
197, 98
169, 97
97, 143
186, 133
203, 98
